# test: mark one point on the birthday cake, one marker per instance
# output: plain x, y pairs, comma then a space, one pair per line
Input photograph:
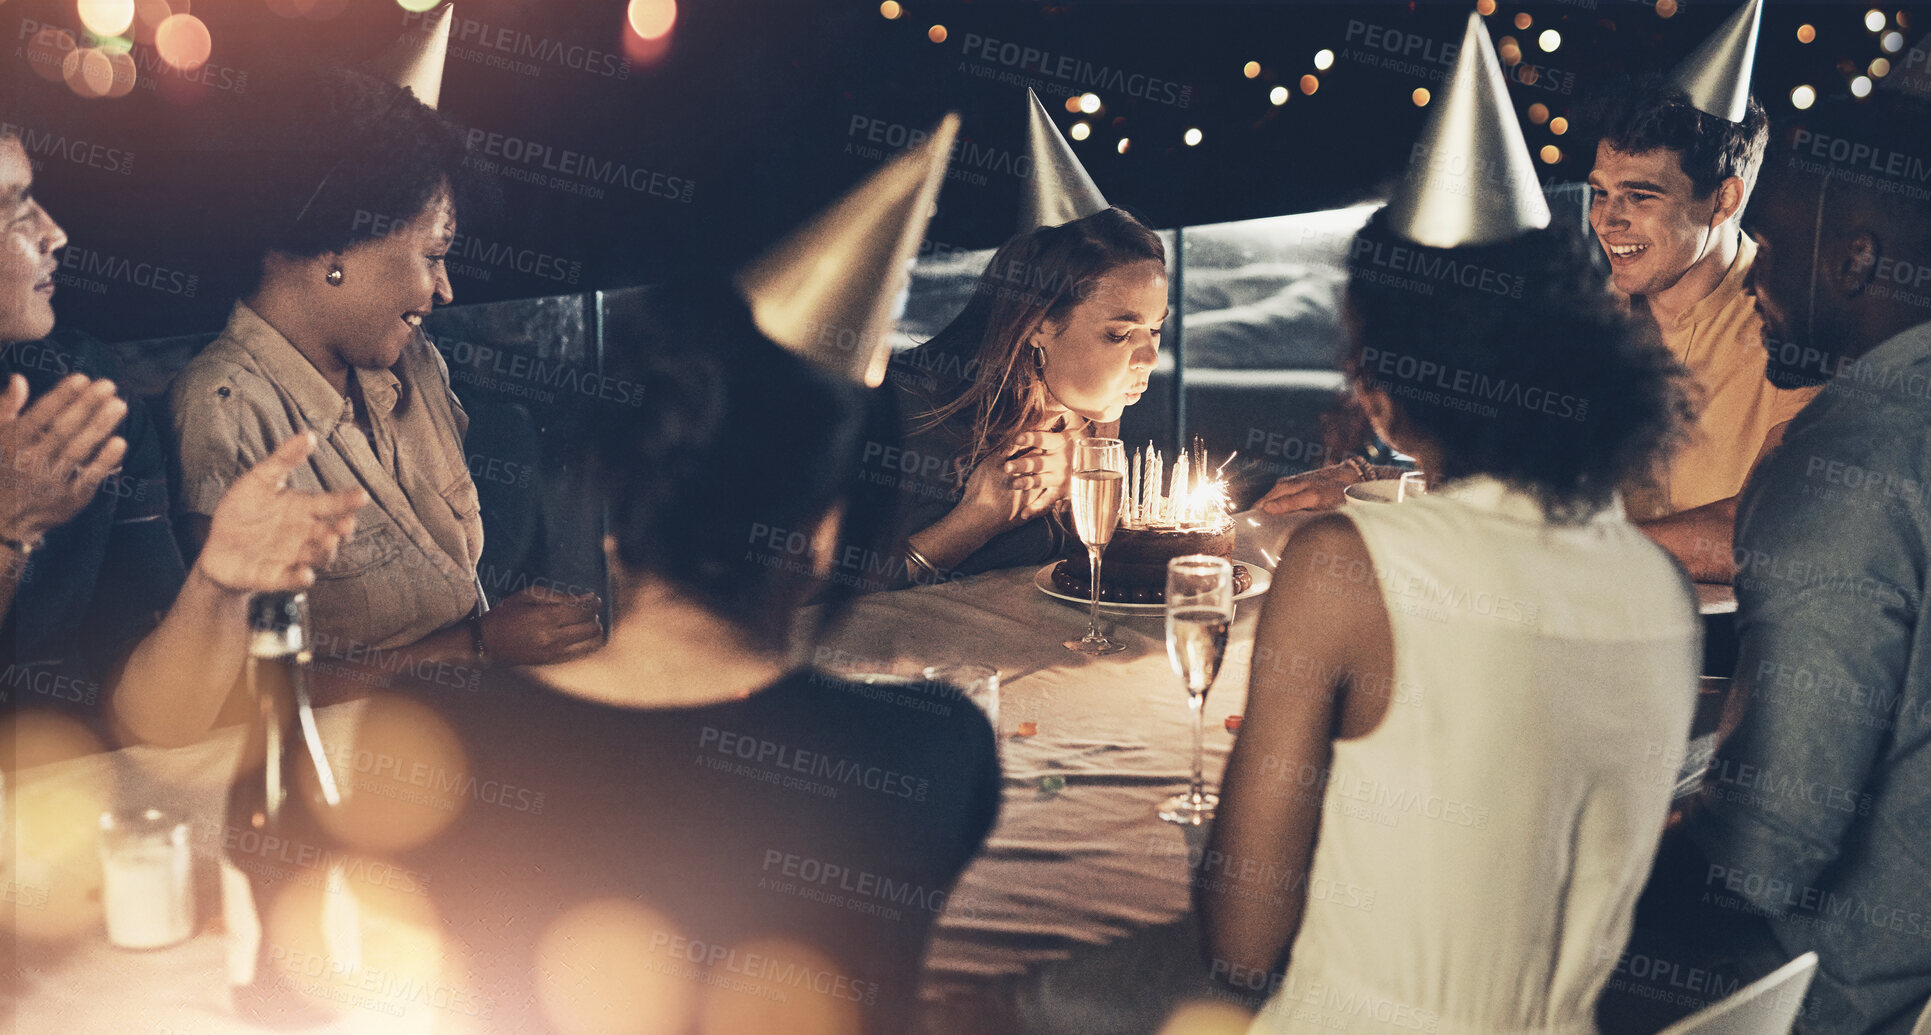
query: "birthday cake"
1162, 518
1133, 569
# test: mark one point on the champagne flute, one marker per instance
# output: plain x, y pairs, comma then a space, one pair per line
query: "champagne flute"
1099, 487
1200, 608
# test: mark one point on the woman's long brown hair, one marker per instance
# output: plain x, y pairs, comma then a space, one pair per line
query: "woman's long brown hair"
1037, 275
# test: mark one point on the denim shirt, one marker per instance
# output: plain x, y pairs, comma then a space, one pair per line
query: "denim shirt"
1817, 813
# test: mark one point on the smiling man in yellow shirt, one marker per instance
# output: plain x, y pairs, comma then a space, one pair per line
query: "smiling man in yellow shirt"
1669, 187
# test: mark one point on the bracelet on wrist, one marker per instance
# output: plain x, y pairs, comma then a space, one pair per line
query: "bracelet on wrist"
1363, 470
919, 562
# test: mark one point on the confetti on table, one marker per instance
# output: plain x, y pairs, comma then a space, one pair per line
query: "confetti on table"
1233, 724
1026, 729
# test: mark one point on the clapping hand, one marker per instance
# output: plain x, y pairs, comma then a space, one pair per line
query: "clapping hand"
55, 453
268, 538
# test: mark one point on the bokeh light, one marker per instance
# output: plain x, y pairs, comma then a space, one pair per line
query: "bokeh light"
419, 6
405, 780
1892, 42
1549, 40
1880, 67
613, 967
126, 73
1551, 154
1861, 86
1523, 20
1665, 8
1508, 50
760, 1000
1278, 96
1072, 104
1485, 7
936, 34
1251, 70
1089, 102
88, 73
1538, 113
1806, 33
1803, 97
1420, 96
47, 52
183, 42
107, 17
1207, 1018
891, 10
1874, 20
53, 871
652, 19
1124, 144
1324, 59
1192, 137
1080, 131
1309, 84
1558, 125
359, 935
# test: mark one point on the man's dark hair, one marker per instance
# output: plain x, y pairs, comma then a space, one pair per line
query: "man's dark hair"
1515, 361
346, 158
1642, 114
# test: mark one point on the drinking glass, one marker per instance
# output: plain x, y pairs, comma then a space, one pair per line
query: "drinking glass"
1413, 484
1200, 608
1099, 487
980, 684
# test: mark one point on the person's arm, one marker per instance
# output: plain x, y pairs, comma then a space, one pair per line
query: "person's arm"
1321, 488
1324, 619
1007, 489
1702, 538
264, 538
53, 456
1827, 605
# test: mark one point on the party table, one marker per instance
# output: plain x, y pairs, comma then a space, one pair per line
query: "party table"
1077, 862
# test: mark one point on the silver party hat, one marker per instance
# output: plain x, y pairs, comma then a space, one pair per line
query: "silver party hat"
1059, 191
416, 61
1717, 75
827, 291
1470, 179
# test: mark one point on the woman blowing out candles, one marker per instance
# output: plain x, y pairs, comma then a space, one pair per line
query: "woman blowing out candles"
1061, 335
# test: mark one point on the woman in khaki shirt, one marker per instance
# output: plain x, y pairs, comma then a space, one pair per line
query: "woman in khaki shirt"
329, 340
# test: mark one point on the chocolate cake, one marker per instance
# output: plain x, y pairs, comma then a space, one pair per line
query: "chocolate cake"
1133, 570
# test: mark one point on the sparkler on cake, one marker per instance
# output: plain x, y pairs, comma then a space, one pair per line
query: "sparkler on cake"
1166, 513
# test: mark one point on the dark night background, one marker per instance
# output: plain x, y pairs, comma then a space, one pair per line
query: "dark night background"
753, 104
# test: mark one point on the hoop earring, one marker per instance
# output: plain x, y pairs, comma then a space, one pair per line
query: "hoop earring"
1039, 359
334, 277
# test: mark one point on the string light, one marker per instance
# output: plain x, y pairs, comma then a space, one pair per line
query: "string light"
1538, 113
1806, 33
1484, 7
1665, 8
107, 17
1251, 70
184, 42
1080, 131
1420, 96
1861, 86
1551, 154
1323, 60
1558, 125
1874, 20
1523, 21
891, 10
1124, 144
1309, 84
1192, 137
1802, 97
652, 19
1892, 42
1880, 67
1549, 40
1278, 96
1089, 102
936, 34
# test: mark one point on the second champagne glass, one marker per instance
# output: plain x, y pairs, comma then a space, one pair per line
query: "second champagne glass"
1200, 608
1099, 488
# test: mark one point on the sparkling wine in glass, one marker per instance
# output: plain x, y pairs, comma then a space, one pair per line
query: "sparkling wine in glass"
1099, 487
1200, 608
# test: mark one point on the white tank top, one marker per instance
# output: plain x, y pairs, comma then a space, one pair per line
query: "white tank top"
1481, 851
